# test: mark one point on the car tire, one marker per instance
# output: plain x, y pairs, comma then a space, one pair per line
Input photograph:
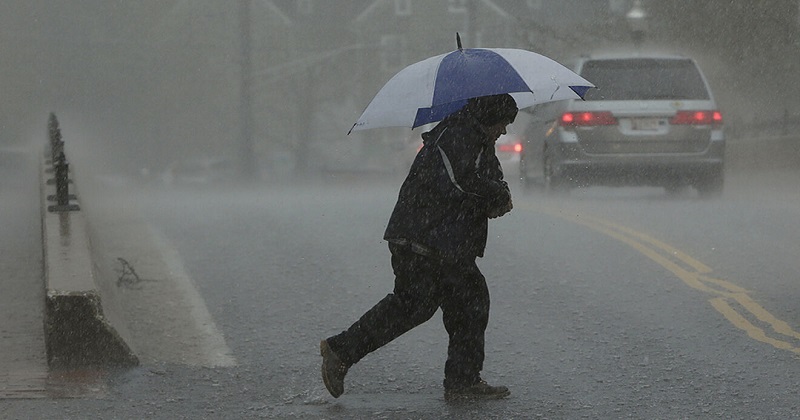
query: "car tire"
711, 185
527, 183
674, 189
553, 183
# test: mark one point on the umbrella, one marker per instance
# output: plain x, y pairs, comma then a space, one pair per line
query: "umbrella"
434, 88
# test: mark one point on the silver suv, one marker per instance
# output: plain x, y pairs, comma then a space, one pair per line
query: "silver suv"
651, 121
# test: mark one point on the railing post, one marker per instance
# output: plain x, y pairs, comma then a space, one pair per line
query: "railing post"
53, 133
56, 146
60, 170
62, 179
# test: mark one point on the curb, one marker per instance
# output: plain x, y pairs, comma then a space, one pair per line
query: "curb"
76, 331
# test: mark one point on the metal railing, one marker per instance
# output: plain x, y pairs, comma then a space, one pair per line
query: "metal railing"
59, 167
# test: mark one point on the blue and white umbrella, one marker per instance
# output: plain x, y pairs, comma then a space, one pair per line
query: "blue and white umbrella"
434, 88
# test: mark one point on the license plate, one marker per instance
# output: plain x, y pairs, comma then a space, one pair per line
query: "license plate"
646, 124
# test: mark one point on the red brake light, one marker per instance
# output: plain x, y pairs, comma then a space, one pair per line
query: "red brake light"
510, 147
696, 118
587, 119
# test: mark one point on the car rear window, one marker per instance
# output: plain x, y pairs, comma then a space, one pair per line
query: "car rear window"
643, 79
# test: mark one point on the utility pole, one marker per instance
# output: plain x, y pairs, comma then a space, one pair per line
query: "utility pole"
471, 29
637, 20
247, 158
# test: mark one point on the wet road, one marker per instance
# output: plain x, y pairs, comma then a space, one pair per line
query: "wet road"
607, 303
23, 366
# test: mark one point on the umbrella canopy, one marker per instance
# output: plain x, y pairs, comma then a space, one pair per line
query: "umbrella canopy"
434, 88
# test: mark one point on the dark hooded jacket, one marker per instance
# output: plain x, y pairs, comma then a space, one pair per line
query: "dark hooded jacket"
432, 212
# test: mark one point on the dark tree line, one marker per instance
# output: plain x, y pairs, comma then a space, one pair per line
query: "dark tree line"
742, 31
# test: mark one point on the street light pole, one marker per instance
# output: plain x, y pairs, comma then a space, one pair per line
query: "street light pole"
247, 159
471, 29
637, 20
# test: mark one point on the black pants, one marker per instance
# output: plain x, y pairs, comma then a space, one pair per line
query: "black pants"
422, 285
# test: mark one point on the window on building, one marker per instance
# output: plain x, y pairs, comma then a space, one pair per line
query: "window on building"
402, 7
305, 7
535, 4
619, 7
393, 53
456, 6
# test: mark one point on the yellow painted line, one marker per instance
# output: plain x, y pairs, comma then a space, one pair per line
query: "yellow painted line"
670, 250
727, 285
695, 275
721, 305
781, 327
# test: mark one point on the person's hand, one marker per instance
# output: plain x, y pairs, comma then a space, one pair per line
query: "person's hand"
497, 211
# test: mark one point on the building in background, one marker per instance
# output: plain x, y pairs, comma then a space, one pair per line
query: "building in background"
345, 52
152, 81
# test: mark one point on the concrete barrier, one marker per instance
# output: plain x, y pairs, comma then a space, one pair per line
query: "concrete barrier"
76, 331
148, 296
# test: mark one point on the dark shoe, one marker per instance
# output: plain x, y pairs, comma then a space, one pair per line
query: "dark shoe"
480, 390
333, 370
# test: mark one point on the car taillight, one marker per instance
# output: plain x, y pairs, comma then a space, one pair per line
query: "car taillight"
696, 118
510, 147
587, 119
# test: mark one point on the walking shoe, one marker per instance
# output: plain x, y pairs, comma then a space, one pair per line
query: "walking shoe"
333, 370
480, 390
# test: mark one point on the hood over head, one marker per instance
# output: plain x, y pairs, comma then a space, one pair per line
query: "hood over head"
494, 109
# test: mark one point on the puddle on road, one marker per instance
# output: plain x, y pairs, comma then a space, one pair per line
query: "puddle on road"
73, 383
28, 384
77, 383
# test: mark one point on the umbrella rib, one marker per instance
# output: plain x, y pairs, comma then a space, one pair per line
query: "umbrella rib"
558, 86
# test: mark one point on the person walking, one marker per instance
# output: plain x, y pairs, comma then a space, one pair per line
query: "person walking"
437, 230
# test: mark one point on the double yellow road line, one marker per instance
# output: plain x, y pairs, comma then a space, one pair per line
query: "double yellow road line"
730, 300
